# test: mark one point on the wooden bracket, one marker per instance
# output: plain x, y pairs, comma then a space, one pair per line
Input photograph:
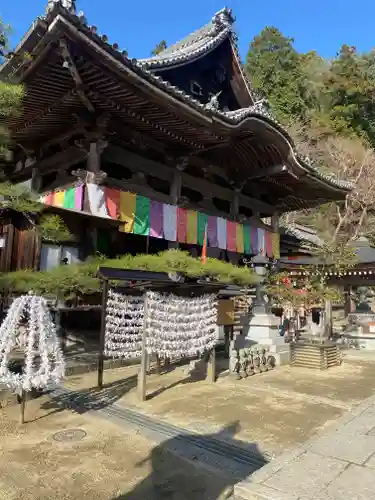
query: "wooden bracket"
70, 65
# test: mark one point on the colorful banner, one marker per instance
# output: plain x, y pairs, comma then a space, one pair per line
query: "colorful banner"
142, 216
71, 198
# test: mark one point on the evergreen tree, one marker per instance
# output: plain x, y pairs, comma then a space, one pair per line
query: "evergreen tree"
349, 92
10, 95
276, 72
13, 197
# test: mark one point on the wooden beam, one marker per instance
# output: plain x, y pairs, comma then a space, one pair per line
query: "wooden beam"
137, 163
140, 189
61, 138
66, 158
70, 65
138, 139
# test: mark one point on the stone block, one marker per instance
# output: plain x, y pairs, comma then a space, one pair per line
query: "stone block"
276, 464
362, 424
306, 475
371, 462
254, 491
355, 483
345, 446
282, 358
279, 348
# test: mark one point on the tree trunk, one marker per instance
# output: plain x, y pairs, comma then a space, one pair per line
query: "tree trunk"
327, 319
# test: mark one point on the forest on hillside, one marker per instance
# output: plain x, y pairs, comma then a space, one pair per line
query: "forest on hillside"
328, 107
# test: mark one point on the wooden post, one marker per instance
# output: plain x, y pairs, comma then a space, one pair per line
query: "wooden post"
211, 366
147, 244
102, 335
93, 158
158, 365
36, 181
141, 385
23, 405
275, 222
234, 206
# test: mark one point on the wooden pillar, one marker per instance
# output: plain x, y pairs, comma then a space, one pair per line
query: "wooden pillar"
176, 186
141, 382
93, 167
93, 158
235, 204
36, 181
175, 191
275, 222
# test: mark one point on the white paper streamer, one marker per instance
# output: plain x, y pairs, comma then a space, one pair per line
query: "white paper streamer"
176, 326
180, 326
124, 326
39, 340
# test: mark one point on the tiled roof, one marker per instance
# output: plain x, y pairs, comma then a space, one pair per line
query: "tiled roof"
304, 234
195, 45
200, 40
261, 109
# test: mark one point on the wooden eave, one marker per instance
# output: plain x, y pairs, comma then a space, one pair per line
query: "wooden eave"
116, 85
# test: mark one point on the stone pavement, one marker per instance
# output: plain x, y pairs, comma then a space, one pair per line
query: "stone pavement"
337, 464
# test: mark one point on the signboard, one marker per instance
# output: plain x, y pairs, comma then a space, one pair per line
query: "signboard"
225, 312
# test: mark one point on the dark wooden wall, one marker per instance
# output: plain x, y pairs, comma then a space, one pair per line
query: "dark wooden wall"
22, 246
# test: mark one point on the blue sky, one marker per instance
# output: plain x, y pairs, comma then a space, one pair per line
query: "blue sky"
137, 26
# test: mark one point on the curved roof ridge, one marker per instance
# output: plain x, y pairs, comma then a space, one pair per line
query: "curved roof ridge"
261, 108
201, 41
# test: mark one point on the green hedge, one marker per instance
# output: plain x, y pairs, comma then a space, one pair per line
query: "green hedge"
82, 279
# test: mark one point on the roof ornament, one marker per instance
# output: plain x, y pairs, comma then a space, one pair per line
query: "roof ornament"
213, 104
224, 18
69, 5
263, 108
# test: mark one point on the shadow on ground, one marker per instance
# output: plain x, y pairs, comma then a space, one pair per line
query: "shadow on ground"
97, 399
174, 476
91, 399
